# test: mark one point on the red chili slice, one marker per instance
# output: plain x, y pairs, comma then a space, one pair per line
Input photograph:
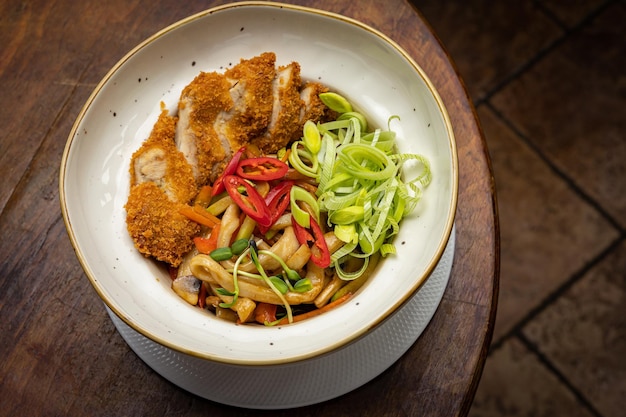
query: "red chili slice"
320, 255
262, 168
231, 167
250, 201
277, 200
278, 189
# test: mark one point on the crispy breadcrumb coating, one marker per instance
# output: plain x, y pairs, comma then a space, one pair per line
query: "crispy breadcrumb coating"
285, 124
156, 226
201, 101
314, 109
252, 94
175, 176
161, 181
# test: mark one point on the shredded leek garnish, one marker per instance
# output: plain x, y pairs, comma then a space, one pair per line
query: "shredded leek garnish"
311, 137
299, 214
360, 184
297, 159
336, 102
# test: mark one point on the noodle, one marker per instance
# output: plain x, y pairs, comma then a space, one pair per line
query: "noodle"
284, 248
207, 269
229, 224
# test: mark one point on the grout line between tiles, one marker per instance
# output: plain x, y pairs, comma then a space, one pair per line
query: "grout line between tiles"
558, 171
521, 70
559, 22
557, 293
547, 363
550, 14
517, 330
545, 51
561, 174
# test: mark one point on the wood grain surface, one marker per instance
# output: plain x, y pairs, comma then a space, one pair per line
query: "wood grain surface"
60, 354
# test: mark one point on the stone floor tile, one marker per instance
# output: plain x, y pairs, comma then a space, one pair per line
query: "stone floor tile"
584, 334
489, 40
572, 106
547, 232
515, 384
572, 12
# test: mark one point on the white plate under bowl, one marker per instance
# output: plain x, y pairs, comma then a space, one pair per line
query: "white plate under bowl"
359, 62
306, 382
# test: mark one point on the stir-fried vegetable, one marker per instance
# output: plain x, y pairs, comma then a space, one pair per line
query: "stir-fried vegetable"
262, 168
270, 283
300, 215
338, 197
313, 237
230, 169
360, 186
278, 200
199, 215
248, 199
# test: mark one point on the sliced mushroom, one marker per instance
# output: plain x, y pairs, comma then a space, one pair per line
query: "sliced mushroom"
188, 288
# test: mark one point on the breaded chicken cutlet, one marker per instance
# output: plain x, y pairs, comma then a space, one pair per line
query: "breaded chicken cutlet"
254, 102
161, 183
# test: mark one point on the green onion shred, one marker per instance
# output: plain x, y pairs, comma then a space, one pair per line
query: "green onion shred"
361, 188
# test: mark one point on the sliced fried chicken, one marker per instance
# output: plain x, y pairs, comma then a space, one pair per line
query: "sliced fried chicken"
313, 108
156, 226
159, 161
284, 125
251, 103
161, 182
221, 112
200, 103
252, 94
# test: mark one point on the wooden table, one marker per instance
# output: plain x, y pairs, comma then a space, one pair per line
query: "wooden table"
59, 352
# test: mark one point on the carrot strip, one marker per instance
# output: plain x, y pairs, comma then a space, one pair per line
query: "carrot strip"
214, 235
318, 311
286, 156
204, 213
204, 196
199, 215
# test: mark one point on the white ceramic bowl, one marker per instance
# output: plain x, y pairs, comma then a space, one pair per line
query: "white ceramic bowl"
353, 59
310, 381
